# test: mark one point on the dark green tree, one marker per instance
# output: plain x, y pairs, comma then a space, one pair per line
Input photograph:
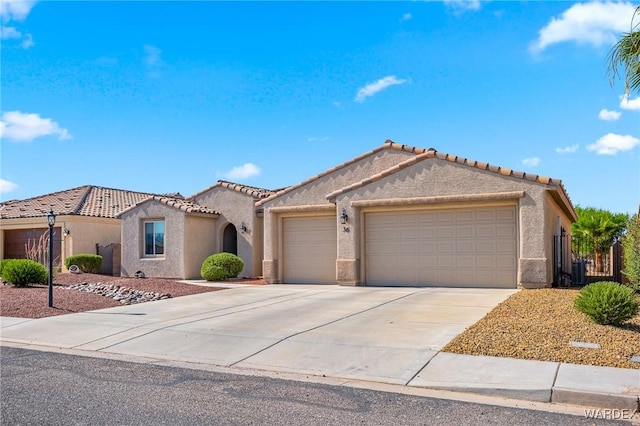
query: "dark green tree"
600, 228
625, 55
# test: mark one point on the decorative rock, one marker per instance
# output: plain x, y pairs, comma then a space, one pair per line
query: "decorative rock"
125, 295
635, 358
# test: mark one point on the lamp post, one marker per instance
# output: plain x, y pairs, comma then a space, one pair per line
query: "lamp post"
51, 219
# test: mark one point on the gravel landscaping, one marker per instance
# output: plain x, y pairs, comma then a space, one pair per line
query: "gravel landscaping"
541, 324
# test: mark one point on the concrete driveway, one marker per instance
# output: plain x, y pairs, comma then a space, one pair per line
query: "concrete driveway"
374, 334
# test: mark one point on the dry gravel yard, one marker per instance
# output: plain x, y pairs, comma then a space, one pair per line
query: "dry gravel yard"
539, 324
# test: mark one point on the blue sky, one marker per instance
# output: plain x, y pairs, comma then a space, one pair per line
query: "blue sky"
172, 96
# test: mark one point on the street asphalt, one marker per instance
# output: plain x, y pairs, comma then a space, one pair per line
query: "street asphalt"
357, 335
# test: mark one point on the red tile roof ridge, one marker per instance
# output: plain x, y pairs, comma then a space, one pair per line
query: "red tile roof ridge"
388, 144
254, 191
432, 153
181, 204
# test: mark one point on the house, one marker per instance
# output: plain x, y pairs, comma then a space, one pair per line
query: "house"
394, 216
406, 216
86, 217
220, 218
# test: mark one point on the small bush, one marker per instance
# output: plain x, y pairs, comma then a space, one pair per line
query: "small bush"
3, 262
22, 272
608, 302
221, 266
89, 263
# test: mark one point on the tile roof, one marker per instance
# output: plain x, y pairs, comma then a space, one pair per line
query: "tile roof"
255, 192
182, 204
432, 153
388, 144
87, 200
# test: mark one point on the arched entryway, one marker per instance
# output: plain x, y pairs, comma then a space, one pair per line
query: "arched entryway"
230, 239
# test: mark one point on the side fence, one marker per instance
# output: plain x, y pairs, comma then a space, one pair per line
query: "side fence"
579, 263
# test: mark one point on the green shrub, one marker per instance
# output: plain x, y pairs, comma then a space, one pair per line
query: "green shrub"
89, 263
221, 266
22, 272
607, 302
3, 262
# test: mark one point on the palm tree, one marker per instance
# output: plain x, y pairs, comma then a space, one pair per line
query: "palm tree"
625, 54
601, 228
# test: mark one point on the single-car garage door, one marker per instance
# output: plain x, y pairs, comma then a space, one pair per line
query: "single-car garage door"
471, 247
309, 250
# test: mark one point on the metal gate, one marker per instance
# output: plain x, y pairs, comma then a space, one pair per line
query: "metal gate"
587, 264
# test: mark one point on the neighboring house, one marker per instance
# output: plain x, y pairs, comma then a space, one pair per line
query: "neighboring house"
85, 217
405, 216
220, 218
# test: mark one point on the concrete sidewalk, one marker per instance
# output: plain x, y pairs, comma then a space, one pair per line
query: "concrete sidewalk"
383, 335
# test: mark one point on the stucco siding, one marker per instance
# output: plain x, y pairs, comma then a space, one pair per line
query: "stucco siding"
236, 208
314, 194
169, 265
84, 232
199, 242
554, 217
441, 178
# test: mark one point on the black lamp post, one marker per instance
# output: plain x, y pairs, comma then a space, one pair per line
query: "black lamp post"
51, 219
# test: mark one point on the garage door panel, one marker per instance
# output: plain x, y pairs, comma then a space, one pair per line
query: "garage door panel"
309, 250
457, 247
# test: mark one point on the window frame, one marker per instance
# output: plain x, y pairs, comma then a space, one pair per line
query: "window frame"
154, 244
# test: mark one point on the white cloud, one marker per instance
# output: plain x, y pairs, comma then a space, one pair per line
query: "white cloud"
611, 144
373, 88
463, 5
594, 23
568, 150
152, 55
608, 115
9, 32
12, 11
27, 42
406, 17
24, 127
531, 162
15, 10
318, 139
630, 104
242, 172
6, 186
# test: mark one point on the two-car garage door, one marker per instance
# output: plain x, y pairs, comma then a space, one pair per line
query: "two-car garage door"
470, 247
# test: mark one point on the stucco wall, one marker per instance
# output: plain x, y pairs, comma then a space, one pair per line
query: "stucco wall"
553, 213
236, 208
199, 243
84, 232
172, 264
437, 178
314, 194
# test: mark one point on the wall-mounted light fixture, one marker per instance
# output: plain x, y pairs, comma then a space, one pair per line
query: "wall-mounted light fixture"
243, 228
66, 232
344, 218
